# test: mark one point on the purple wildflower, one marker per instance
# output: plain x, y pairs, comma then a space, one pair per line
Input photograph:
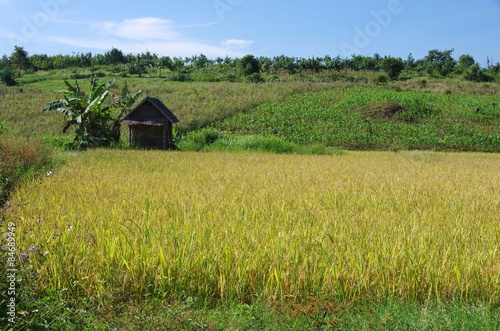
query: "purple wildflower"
38, 220
49, 173
8, 203
32, 249
24, 256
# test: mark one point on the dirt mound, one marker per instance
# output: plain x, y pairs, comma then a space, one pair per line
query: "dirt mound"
382, 111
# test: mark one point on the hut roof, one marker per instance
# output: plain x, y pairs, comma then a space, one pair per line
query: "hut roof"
134, 117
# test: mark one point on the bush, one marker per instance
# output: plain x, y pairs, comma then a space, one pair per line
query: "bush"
265, 144
249, 65
381, 79
476, 74
254, 78
392, 67
7, 77
20, 159
199, 140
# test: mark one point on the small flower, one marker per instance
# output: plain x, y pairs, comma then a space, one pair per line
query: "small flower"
32, 249
38, 220
24, 256
116, 329
45, 253
70, 227
8, 204
49, 173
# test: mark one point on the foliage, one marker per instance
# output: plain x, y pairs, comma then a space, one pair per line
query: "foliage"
211, 139
392, 67
440, 62
114, 56
377, 118
96, 124
249, 65
199, 140
476, 74
381, 79
465, 62
19, 59
20, 159
236, 69
7, 76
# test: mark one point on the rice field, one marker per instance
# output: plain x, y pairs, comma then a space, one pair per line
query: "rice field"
215, 227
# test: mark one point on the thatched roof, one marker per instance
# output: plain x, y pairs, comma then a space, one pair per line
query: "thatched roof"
143, 115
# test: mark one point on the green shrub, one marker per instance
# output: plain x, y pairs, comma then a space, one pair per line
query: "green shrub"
381, 79
476, 74
7, 77
199, 140
392, 67
254, 78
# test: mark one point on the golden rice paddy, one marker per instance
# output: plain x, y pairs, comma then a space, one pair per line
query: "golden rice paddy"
234, 226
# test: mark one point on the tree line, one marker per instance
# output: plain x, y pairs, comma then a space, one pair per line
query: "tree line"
435, 63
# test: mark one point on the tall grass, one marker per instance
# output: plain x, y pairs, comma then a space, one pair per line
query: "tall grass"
213, 227
20, 160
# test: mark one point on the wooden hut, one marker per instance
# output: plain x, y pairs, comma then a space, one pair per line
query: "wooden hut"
150, 125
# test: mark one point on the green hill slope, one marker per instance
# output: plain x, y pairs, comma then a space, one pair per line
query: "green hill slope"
378, 118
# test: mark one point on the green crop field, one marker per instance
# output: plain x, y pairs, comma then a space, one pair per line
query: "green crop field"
378, 118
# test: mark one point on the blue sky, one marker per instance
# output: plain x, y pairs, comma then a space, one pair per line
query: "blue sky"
263, 28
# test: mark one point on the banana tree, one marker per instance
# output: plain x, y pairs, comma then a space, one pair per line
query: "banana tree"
97, 124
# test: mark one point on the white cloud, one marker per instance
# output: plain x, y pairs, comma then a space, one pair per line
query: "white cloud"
149, 33
238, 44
147, 28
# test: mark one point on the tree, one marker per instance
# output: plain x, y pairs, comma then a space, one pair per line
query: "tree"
90, 112
286, 63
410, 63
392, 67
476, 74
440, 62
6, 72
249, 65
465, 62
19, 59
114, 56
200, 61
41, 62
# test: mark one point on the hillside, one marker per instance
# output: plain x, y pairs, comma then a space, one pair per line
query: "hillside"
378, 118
423, 113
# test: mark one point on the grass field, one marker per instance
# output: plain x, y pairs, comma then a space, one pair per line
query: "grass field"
113, 226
